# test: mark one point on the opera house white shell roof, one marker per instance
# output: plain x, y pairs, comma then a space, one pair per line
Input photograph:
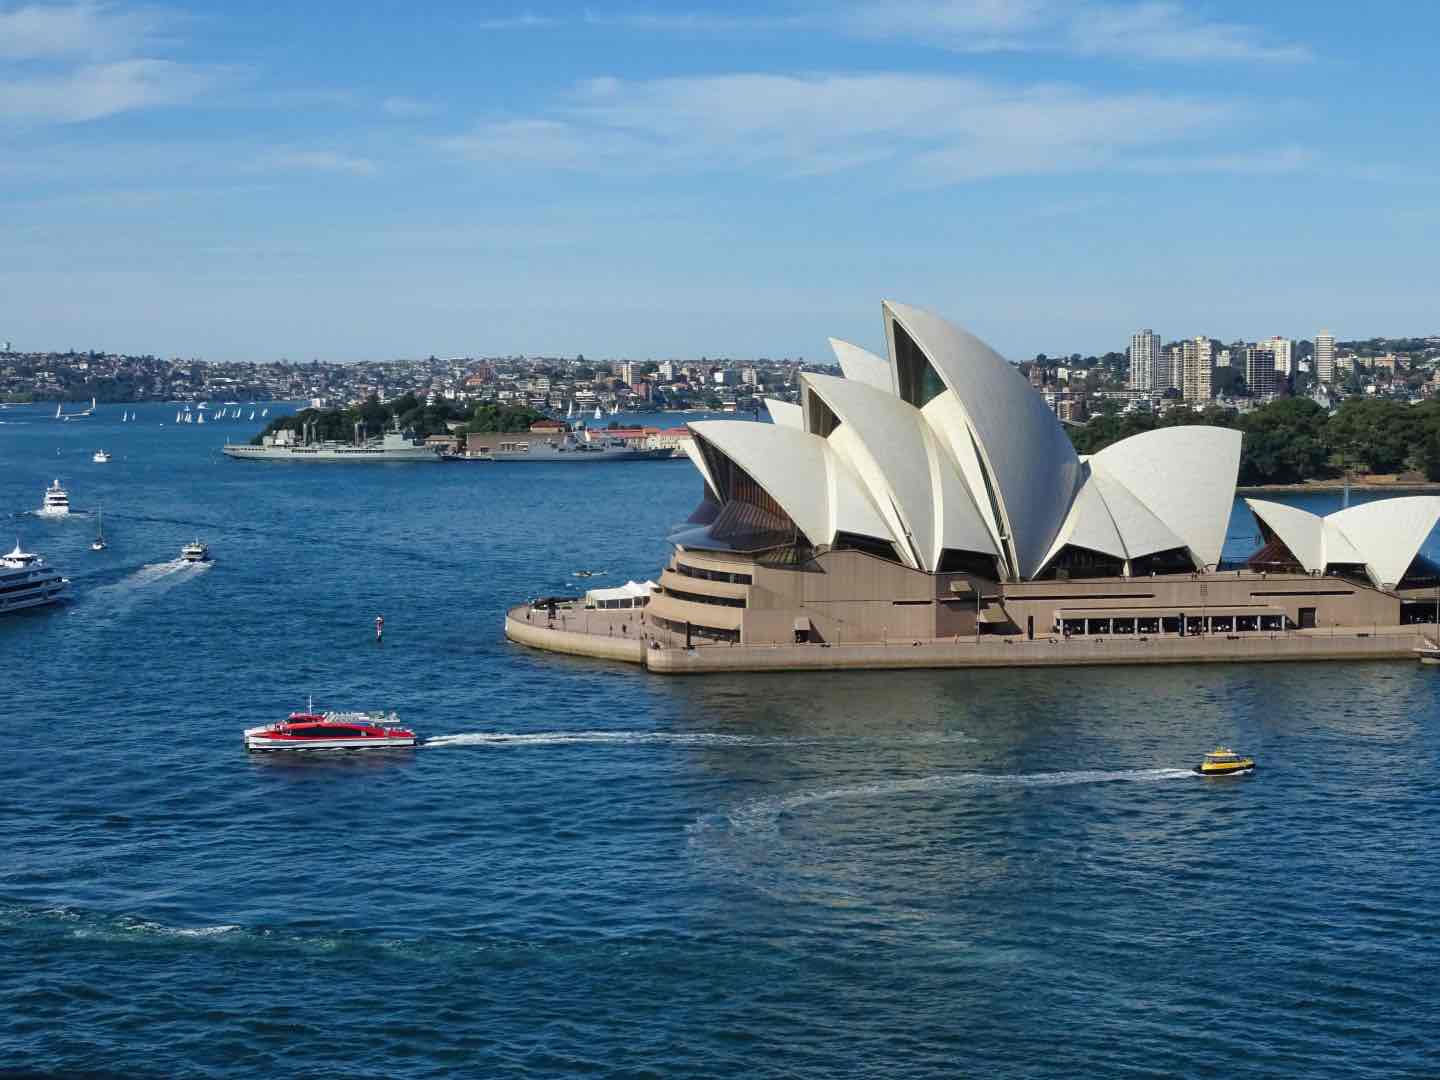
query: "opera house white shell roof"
1383, 536
940, 456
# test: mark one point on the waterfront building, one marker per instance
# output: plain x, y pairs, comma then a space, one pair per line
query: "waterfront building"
1325, 356
1145, 358
1198, 370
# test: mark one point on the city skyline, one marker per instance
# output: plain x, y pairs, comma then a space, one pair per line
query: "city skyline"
735, 181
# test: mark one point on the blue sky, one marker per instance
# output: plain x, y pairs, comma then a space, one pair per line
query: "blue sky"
365, 181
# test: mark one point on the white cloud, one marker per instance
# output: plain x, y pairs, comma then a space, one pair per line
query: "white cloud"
1160, 30
49, 31
524, 20
409, 107
928, 129
92, 91
1165, 31
300, 160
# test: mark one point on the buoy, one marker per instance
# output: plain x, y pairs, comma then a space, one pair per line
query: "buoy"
379, 627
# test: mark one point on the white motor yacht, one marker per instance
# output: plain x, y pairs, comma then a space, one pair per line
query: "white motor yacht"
101, 457
56, 502
195, 551
25, 581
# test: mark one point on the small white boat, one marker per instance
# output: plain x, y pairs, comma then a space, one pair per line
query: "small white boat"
202, 419
101, 457
56, 502
98, 544
195, 551
1429, 653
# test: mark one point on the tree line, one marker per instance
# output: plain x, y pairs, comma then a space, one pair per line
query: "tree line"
414, 416
1293, 439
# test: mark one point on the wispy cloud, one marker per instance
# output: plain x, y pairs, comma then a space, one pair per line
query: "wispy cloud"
302, 160
1160, 30
928, 129
523, 20
49, 31
409, 107
92, 91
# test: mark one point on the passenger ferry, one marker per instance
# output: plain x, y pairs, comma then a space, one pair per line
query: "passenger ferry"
332, 731
195, 551
101, 457
1222, 761
25, 581
56, 502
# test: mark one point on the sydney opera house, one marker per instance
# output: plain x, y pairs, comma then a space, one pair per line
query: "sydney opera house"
929, 499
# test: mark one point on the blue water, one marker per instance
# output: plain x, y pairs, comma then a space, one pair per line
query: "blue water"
596, 871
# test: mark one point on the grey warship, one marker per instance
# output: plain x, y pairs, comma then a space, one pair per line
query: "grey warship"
289, 445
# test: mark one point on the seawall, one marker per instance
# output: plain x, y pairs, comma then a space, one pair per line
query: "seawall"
1341, 643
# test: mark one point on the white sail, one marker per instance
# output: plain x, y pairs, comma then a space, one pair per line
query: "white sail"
202, 418
598, 414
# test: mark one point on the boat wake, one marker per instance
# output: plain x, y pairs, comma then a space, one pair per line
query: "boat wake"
749, 843
151, 577
764, 815
667, 738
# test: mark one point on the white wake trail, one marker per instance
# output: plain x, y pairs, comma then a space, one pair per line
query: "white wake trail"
674, 738
764, 814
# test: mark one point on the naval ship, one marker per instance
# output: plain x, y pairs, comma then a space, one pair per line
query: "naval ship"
289, 445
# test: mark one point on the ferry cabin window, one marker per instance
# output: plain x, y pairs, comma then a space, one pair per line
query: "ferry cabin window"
327, 733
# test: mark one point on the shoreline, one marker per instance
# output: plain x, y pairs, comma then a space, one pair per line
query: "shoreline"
1407, 487
582, 638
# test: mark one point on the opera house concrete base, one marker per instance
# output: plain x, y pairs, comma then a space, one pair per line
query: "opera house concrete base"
603, 642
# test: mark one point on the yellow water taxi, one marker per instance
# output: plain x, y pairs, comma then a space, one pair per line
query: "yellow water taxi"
1222, 761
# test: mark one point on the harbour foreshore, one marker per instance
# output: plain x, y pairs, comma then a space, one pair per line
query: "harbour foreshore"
620, 636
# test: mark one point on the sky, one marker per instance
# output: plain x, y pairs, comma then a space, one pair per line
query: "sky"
364, 181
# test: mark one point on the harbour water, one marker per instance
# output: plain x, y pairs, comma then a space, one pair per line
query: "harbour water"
591, 870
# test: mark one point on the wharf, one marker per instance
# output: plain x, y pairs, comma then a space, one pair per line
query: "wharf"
622, 636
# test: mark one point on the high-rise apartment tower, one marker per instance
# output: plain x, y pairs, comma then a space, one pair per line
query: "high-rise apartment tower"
1146, 359
1198, 373
1325, 356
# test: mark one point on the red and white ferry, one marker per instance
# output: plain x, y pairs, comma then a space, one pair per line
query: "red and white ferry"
331, 731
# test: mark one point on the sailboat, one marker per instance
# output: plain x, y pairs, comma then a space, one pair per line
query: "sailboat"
598, 414
264, 413
252, 414
98, 544
58, 406
177, 416
202, 419
570, 412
